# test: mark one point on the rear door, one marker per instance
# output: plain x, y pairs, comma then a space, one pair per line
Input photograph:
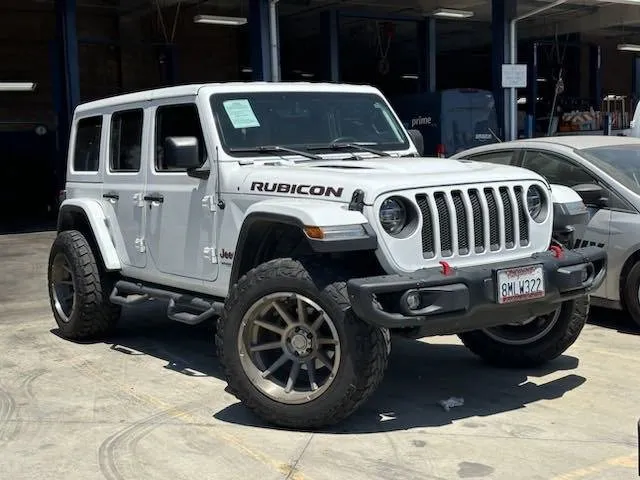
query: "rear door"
124, 181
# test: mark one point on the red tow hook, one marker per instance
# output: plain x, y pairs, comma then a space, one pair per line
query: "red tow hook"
446, 268
557, 251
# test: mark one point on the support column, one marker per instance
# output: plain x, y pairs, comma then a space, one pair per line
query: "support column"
67, 75
635, 79
501, 13
260, 39
532, 80
595, 76
331, 26
427, 54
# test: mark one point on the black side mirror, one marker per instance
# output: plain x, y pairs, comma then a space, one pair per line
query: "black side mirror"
591, 194
418, 140
182, 152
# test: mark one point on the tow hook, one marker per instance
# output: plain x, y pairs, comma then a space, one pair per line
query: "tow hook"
557, 251
446, 269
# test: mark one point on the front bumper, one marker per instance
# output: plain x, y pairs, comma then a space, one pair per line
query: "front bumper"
467, 298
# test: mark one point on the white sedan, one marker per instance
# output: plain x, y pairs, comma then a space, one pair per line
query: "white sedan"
605, 171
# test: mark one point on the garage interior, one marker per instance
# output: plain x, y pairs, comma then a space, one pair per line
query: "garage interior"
58, 53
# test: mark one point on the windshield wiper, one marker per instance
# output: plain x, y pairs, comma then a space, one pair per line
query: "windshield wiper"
275, 149
343, 145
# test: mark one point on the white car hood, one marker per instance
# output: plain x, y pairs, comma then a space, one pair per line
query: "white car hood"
337, 179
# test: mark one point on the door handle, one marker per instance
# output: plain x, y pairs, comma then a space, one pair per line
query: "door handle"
111, 196
154, 198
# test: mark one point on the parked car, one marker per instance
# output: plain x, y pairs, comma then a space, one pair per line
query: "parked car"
605, 171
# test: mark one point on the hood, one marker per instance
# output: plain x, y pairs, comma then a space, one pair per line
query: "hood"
336, 180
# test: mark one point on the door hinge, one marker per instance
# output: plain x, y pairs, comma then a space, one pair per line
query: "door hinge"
140, 245
138, 200
210, 254
209, 203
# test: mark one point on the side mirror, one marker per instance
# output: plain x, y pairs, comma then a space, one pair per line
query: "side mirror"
418, 140
591, 194
182, 152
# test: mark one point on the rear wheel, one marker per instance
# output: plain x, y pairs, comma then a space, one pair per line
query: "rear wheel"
78, 290
631, 293
292, 350
533, 343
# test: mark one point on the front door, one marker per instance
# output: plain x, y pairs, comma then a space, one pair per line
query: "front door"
180, 214
124, 181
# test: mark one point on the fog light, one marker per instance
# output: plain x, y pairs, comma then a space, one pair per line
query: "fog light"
585, 274
413, 300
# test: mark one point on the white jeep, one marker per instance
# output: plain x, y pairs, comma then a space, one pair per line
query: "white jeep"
302, 217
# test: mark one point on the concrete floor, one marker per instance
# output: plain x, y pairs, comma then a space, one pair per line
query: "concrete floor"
149, 403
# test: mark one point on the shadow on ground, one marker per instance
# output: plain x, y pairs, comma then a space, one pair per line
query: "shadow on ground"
419, 376
614, 320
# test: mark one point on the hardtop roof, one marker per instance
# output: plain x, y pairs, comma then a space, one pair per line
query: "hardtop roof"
225, 87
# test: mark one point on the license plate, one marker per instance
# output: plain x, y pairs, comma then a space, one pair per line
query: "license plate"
520, 283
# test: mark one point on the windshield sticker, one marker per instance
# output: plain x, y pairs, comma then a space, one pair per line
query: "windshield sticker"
241, 114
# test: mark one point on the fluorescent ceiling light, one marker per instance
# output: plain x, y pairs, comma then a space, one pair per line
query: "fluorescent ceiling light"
541, 79
17, 86
629, 47
410, 76
217, 20
247, 70
450, 13
307, 75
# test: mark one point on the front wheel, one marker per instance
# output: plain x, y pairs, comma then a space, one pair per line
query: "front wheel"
532, 343
293, 351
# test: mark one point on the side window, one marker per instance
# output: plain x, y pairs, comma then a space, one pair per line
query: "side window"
86, 154
502, 157
556, 169
177, 121
126, 141
562, 172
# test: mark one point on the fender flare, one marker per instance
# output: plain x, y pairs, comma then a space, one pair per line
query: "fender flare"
93, 214
300, 214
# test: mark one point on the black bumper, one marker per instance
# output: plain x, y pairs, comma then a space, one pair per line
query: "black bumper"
467, 298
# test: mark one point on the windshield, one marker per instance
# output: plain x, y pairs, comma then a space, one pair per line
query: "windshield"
622, 162
304, 120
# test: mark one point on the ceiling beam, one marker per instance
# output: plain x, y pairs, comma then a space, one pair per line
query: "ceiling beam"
607, 16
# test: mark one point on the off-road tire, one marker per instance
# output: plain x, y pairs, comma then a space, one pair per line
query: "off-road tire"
93, 315
365, 349
630, 291
565, 332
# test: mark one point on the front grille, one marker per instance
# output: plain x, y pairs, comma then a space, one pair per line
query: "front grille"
473, 220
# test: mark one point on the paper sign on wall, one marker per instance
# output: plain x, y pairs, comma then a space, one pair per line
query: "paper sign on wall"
240, 113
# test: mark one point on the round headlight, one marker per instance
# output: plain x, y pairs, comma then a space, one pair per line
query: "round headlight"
535, 202
393, 215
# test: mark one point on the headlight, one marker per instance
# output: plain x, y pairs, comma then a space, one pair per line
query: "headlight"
535, 203
393, 215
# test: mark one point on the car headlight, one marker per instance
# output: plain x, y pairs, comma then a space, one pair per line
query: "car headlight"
393, 215
535, 203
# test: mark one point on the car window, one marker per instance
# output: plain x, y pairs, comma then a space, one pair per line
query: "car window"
502, 157
556, 169
86, 154
177, 121
126, 141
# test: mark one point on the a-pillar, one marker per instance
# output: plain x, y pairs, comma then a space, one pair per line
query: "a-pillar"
261, 27
67, 76
502, 11
427, 54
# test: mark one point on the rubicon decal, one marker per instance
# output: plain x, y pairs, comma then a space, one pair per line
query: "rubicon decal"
293, 189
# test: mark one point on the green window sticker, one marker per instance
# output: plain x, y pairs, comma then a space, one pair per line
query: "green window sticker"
240, 113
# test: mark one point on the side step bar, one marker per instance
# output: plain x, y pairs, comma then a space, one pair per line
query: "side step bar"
181, 306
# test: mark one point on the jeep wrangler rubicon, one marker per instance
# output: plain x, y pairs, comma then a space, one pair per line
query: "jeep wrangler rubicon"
303, 218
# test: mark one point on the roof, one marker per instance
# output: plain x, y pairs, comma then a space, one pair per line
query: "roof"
226, 87
580, 141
